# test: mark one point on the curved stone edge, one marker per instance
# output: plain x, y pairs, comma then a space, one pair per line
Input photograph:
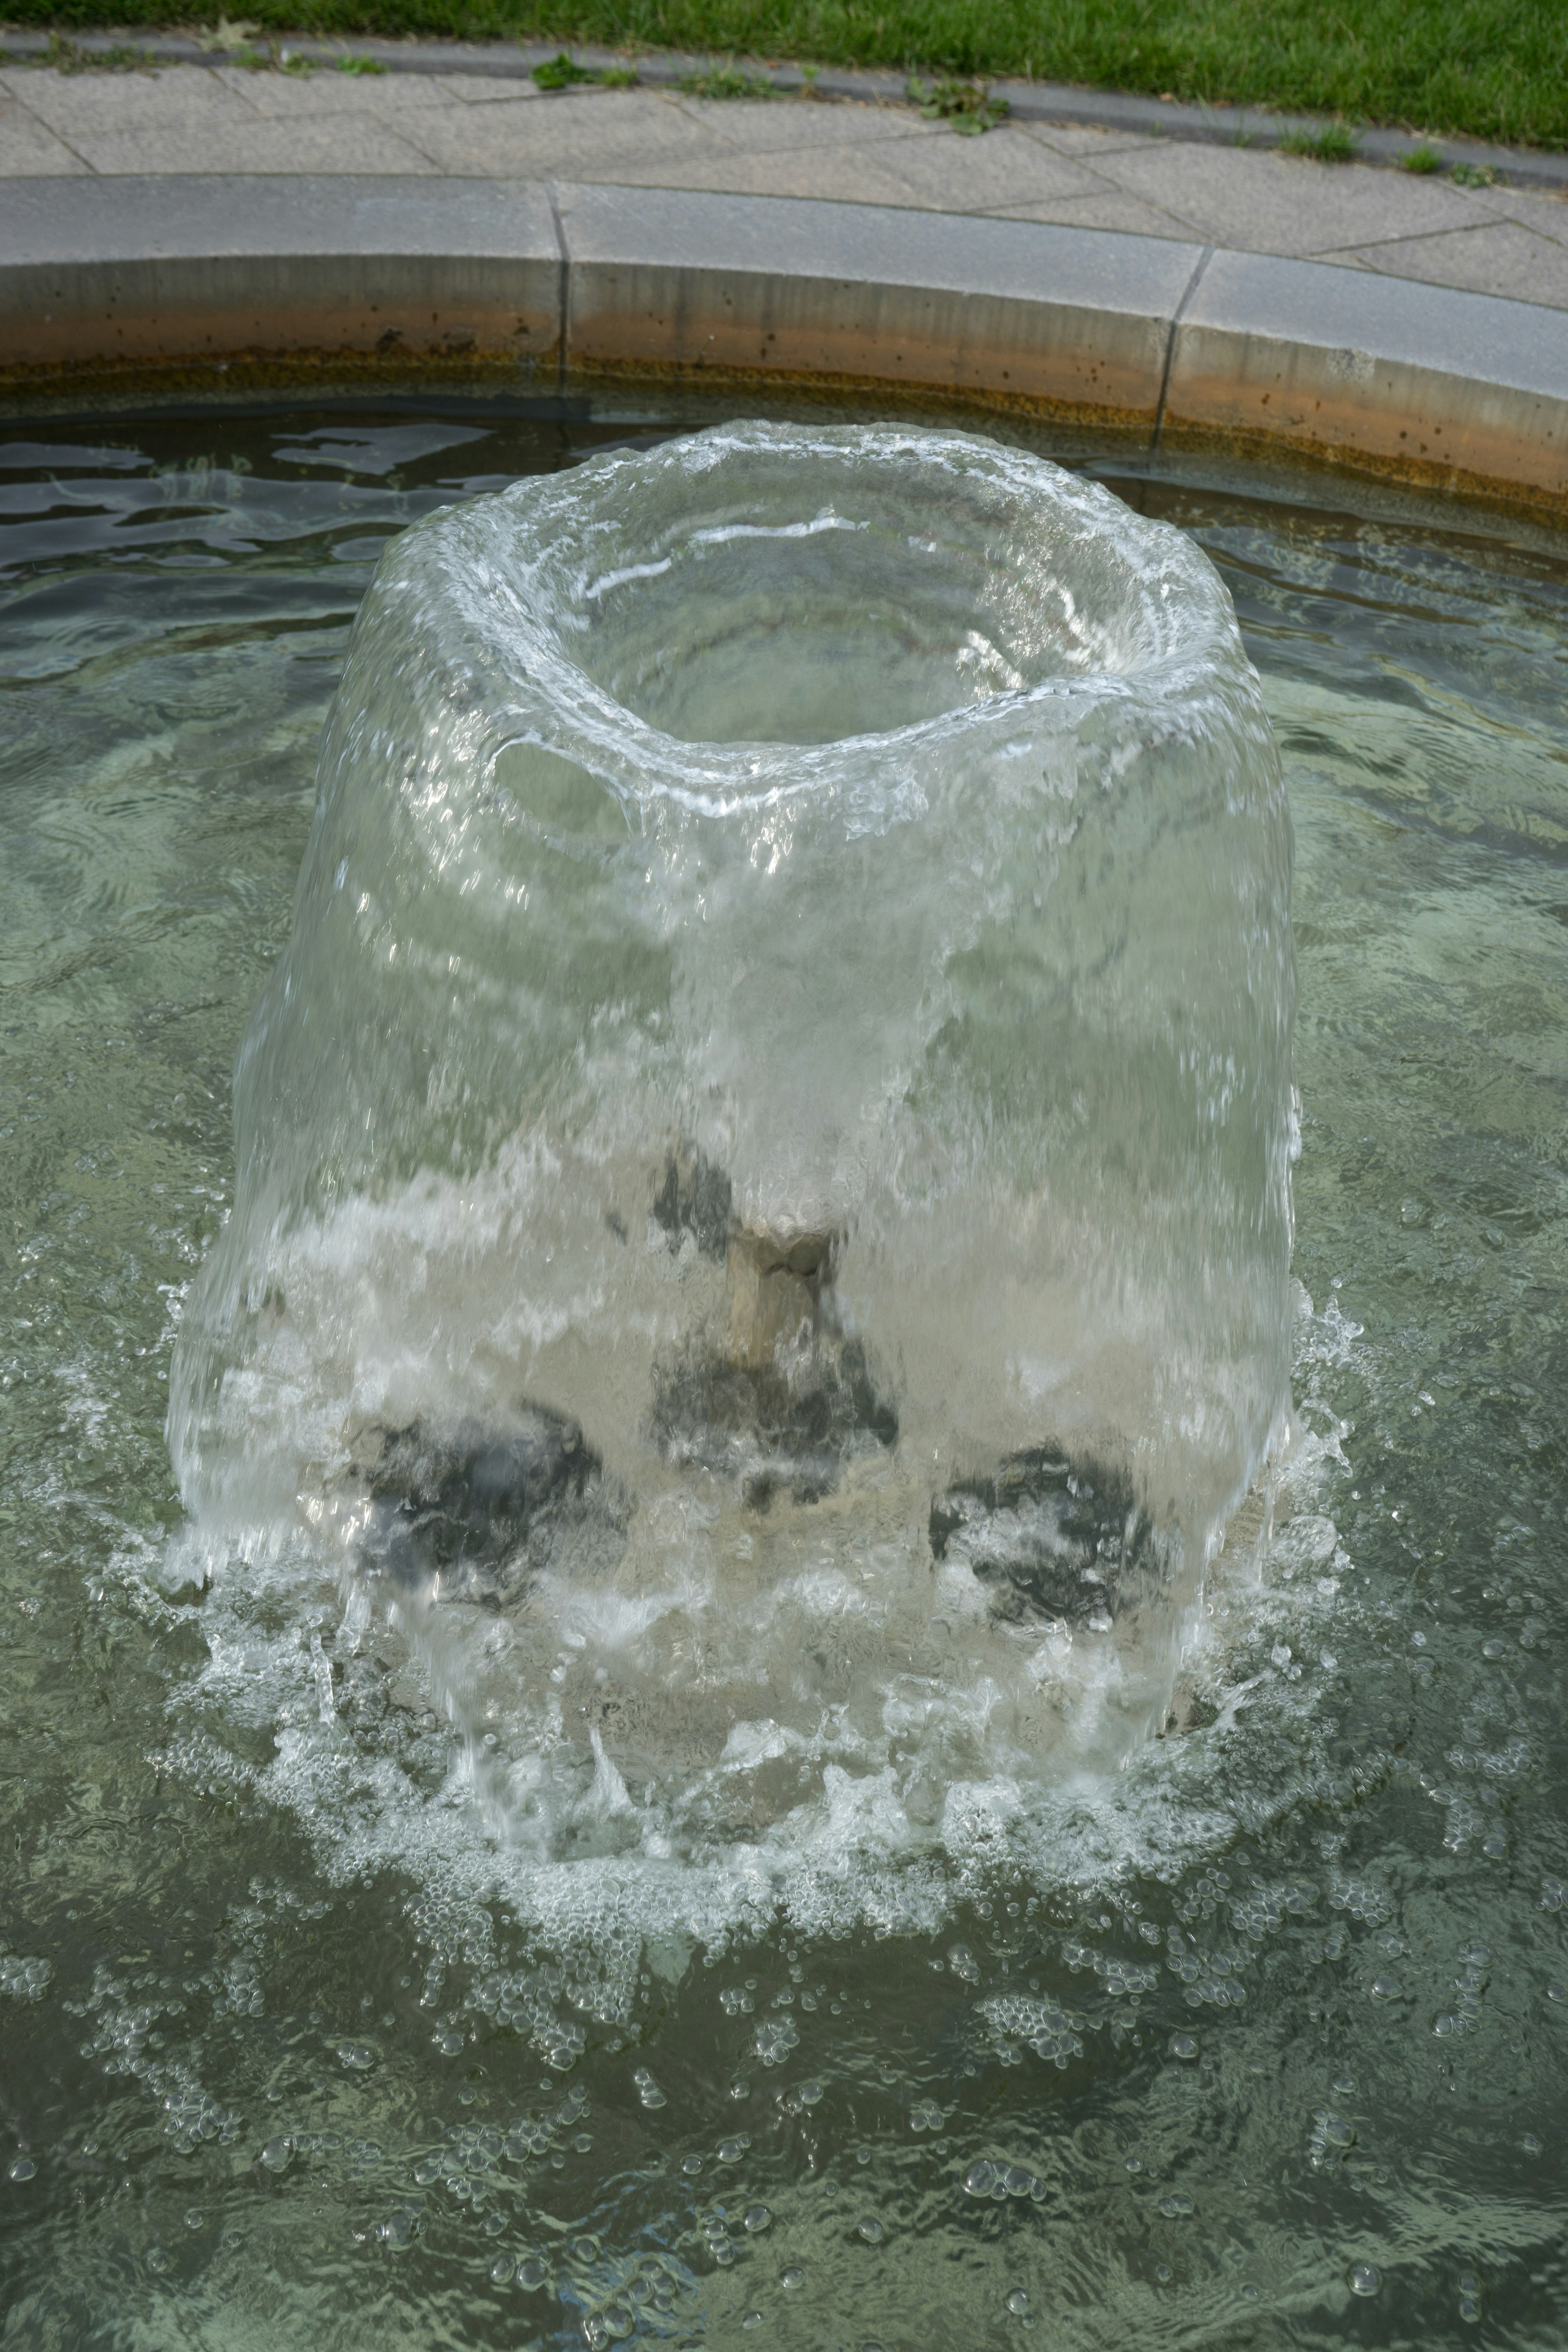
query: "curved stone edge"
559, 285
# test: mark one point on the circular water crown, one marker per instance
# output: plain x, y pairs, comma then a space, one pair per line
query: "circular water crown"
764, 1208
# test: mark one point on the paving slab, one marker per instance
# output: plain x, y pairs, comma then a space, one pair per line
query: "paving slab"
1111, 209
1280, 204
1083, 139
336, 143
1546, 214
752, 126
29, 148
75, 106
837, 175
398, 98
967, 175
1496, 257
573, 138
483, 90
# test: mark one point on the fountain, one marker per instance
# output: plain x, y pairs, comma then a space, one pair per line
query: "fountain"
764, 1168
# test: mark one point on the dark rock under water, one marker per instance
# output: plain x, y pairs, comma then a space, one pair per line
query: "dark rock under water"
1049, 1535
776, 1436
480, 1509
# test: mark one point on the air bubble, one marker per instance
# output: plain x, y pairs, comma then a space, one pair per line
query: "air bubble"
1365, 2279
870, 2229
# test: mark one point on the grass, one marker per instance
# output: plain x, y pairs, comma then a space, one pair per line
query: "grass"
1495, 69
562, 72
1422, 160
1335, 143
724, 81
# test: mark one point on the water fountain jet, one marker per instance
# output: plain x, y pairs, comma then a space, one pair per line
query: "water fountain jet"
789, 1003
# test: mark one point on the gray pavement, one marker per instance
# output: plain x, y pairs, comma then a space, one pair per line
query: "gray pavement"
225, 119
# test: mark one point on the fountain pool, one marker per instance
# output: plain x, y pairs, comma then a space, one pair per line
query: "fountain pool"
316, 2014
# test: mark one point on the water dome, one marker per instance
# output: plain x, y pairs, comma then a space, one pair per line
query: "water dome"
763, 1206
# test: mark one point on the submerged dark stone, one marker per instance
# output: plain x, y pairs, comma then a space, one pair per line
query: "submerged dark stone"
784, 1433
695, 1198
480, 1508
1050, 1537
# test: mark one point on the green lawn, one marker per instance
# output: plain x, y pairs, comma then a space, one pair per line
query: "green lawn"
1491, 68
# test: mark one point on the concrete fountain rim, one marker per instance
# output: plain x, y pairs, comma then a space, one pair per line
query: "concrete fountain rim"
111, 287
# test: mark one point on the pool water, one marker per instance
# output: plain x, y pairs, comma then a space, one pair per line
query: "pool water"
1258, 2041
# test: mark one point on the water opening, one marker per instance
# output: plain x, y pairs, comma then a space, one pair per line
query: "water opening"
837, 596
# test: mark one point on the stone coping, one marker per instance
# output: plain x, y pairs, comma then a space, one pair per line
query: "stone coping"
213, 282
1027, 101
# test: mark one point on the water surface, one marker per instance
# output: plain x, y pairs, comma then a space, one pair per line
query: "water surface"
1194, 2055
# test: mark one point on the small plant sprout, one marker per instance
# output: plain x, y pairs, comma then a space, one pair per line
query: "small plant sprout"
968, 106
1334, 142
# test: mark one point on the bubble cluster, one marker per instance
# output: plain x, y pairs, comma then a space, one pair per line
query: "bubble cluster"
128, 2040
775, 2039
1115, 1975
21, 1978
524, 1999
1366, 1899
1262, 1910
1052, 2034
1212, 1976
999, 2181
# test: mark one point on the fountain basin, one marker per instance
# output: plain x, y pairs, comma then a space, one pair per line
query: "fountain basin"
339, 1914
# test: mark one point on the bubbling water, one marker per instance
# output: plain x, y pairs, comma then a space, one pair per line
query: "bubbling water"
763, 1211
